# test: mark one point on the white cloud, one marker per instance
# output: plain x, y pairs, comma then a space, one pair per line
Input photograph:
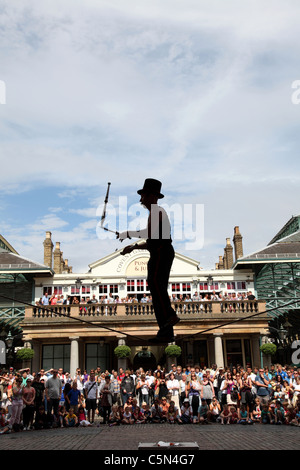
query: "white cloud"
195, 93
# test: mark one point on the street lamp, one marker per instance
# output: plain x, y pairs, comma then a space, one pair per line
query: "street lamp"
9, 340
78, 283
282, 333
210, 279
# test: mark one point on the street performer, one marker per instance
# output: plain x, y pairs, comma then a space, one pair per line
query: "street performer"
159, 244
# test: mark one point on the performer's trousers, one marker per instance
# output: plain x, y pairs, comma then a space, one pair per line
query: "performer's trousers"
159, 267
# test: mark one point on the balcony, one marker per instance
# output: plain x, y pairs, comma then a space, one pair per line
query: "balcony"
204, 309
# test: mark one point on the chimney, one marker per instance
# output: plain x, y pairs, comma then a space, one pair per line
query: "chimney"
57, 258
221, 264
48, 248
228, 254
238, 243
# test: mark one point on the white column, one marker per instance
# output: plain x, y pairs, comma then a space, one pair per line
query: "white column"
74, 355
219, 356
122, 361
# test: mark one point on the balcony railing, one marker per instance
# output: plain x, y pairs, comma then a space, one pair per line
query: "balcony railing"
129, 310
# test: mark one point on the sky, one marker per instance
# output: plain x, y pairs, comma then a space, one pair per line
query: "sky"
197, 94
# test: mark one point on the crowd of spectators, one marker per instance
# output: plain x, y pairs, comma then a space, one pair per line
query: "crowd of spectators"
183, 395
86, 301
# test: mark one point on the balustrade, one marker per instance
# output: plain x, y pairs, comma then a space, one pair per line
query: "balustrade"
135, 309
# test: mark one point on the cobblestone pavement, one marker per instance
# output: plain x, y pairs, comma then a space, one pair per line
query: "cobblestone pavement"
208, 437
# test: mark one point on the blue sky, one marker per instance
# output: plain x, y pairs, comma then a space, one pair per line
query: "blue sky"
194, 93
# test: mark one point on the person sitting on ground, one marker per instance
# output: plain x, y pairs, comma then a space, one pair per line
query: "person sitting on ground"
256, 413
114, 417
225, 415
235, 416
156, 412
213, 414
279, 413
172, 413
4, 428
202, 413
243, 417
265, 417
138, 416
127, 415
71, 419
62, 413
82, 421
41, 419
186, 416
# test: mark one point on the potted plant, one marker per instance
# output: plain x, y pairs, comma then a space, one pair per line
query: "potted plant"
122, 351
25, 354
269, 349
173, 350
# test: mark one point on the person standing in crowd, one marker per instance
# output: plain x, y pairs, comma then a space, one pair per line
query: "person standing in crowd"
17, 405
28, 393
106, 393
91, 396
39, 388
127, 387
74, 397
262, 386
53, 390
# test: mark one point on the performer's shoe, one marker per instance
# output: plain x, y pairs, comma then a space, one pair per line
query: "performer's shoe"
172, 321
160, 339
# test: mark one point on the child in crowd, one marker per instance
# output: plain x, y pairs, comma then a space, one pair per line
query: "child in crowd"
278, 393
62, 413
242, 415
138, 416
234, 415
114, 417
279, 413
225, 415
82, 421
146, 412
257, 411
127, 415
265, 415
296, 419
4, 428
41, 419
172, 413
71, 419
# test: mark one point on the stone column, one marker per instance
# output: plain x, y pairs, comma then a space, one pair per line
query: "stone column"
36, 366
74, 355
122, 361
255, 341
219, 356
267, 360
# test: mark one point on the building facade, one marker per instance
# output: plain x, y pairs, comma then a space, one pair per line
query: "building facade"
106, 307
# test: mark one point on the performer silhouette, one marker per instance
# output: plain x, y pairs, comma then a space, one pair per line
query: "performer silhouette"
159, 244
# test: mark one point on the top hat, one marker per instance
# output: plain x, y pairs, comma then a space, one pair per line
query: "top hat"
151, 186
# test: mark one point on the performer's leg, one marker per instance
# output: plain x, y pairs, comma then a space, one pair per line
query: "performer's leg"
159, 267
